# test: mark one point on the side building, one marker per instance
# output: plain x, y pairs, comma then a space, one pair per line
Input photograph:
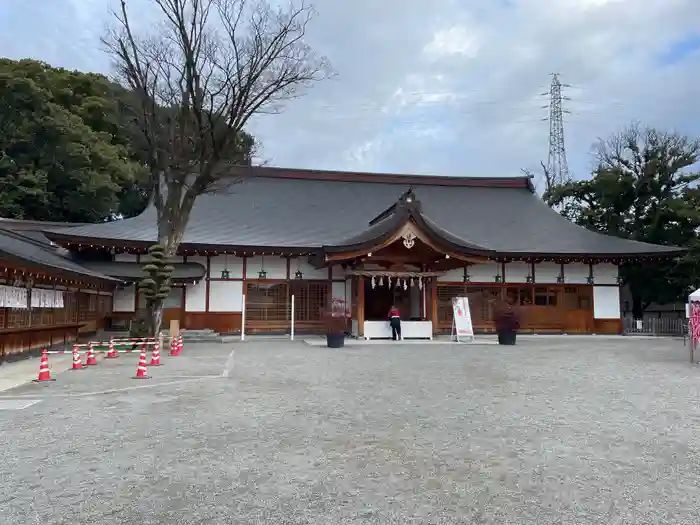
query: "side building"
371, 240
46, 297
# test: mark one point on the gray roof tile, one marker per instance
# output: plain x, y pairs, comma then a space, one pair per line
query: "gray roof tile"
302, 213
37, 250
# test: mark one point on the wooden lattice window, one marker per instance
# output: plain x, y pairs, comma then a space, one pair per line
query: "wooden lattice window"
17, 317
445, 293
35, 316
310, 297
71, 307
482, 301
104, 303
267, 302
47, 316
545, 296
577, 298
83, 306
521, 295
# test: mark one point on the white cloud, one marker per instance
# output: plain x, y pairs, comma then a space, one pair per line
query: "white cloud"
442, 87
455, 40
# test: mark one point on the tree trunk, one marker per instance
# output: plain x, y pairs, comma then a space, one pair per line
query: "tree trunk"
173, 209
637, 307
156, 319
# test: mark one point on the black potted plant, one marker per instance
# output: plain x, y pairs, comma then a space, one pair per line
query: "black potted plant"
335, 316
507, 321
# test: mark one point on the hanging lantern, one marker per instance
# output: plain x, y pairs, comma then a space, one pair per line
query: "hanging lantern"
381, 281
225, 274
374, 283
405, 286
262, 274
420, 283
388, 282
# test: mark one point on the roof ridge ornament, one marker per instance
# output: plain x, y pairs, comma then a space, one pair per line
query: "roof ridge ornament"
409, 239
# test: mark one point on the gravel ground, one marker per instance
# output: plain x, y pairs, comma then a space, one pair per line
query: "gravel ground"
547, 432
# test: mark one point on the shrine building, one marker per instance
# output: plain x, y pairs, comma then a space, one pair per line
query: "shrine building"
372, 240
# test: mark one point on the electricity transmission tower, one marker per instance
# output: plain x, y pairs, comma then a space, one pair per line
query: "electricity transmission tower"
557, 166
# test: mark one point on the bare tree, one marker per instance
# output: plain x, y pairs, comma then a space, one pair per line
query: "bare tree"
550, 189
198, 78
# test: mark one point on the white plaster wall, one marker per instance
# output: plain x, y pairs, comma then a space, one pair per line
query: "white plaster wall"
276, 267
546, 272
219, 263
606, 302
225, 296
125, 257
196, 297
174, 299
452, 276
338, 291
517, 272
337, 272
348, 294
484, 273
124, 299
308, 271
576, 273
605, 273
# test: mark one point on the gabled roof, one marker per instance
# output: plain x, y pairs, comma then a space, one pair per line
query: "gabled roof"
406, 211
295, 209
35, 250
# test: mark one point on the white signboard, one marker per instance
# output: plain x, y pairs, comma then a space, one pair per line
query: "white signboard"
462, 328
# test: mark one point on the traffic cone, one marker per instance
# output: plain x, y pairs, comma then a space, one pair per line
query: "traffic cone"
44, 372
91, 359
173, 346
111, 352
180, 344
142, 371
155, 356
77, 363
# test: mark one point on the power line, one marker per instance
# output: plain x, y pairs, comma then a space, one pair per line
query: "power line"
557, 165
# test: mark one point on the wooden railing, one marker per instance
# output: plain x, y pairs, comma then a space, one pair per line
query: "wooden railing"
17, 341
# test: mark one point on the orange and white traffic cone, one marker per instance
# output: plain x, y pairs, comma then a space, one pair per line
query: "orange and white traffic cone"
142, 371
173, 346
111, 352
180, 344
44, 372
91, 359
77, 363
155, 356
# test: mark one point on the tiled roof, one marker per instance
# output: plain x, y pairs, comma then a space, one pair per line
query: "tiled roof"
286, 212
33, 249
132, 271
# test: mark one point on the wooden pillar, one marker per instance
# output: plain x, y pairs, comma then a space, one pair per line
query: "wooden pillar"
360, 306
433, 305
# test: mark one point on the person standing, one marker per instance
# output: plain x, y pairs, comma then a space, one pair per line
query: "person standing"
395, 323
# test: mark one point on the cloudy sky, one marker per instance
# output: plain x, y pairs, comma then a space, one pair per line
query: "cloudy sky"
447, 87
